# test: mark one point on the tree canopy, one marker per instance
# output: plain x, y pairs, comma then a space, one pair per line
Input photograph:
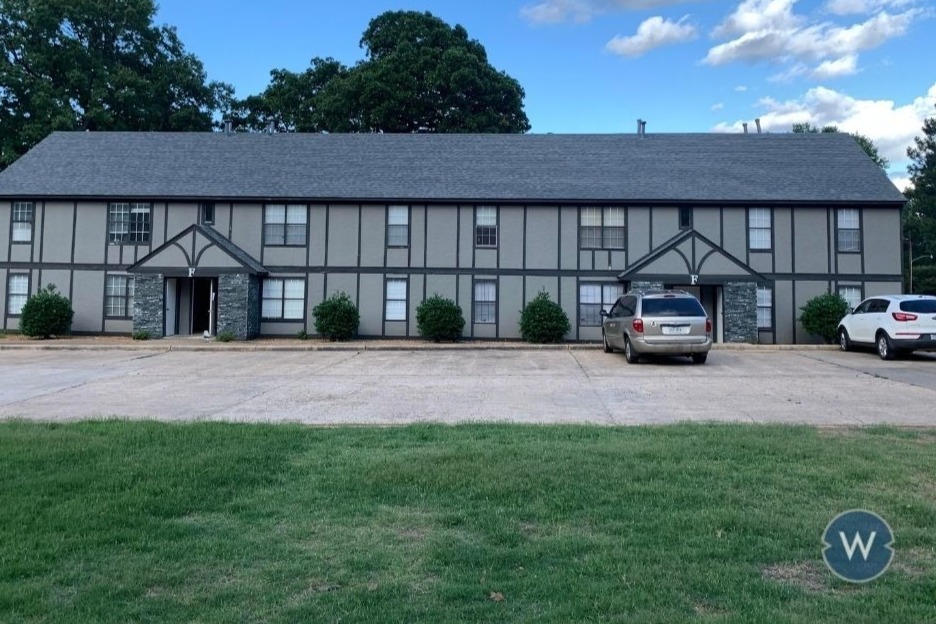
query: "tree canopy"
866, 144
95, 65
419, 75
919, 215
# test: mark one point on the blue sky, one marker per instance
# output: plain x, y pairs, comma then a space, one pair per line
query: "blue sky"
598, 65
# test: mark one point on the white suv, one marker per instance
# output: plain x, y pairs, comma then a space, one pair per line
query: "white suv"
893, 324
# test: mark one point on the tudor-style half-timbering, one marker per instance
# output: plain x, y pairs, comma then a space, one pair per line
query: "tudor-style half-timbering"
198, 232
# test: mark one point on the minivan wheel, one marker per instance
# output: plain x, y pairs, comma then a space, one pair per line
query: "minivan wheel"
604, 339
885, 347
699, 358
844, 342
629, 354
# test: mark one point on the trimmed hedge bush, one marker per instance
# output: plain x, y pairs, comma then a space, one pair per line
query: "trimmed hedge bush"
821, 315
543, 320
46, 314
337, 317
438, 318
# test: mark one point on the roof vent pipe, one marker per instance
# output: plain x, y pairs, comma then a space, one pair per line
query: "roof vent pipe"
639, 127
757, 121
228, 127
744, 124
270, 129
643, 128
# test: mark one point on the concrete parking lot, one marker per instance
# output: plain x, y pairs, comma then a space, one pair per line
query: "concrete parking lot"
389, 387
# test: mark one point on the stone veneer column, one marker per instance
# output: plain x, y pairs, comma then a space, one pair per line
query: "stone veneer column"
148, 306
239, 305
740, 312
635, 285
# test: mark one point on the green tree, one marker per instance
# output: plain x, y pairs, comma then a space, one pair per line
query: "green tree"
919, 215
419, 75
821, 315
95, 65
864, 142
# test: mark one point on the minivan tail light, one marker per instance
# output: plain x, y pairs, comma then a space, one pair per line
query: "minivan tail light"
638, 325
708, 326
904, 316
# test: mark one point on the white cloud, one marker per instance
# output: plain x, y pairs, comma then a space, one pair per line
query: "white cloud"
741, 88
718, 107
757, 15
652, 33
892, 127
857, 7
556, 11
845, 66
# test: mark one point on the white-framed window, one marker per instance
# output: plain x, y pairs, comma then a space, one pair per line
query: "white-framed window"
398, 226
129, 223
283, 298
284, 224
759, 229
485, 301
848, 231
851, 294
593, 298
486, 226
23, 213
601, 228
17, 293
118, 296
395, 303
764, 307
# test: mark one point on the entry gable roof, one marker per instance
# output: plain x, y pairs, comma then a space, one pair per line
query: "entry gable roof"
188, 249
694, 254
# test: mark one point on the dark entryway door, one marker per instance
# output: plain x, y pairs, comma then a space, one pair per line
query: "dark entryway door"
191, 305
203, 305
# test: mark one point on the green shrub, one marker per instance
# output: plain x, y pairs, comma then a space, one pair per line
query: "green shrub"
543, 320
47, 313
821, 315
225, 336
438, 318
140, 334
337, 317
302, 334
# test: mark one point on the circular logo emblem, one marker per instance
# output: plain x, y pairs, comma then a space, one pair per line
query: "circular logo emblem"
857, 546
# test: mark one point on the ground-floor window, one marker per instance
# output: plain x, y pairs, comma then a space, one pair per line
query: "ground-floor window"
395, 305
283, 298
764, 307
485, 301
851, 294
118, 296
593, 298
17, 293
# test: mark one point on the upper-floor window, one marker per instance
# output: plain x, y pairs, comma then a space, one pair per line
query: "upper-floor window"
22, 222
398, 226
485, 301
848, 232
283, 298
395, 304
129, 223
685, 218
118, 296
759, 229
764, 307
206, 213
486, 226
17, 292
593, 298
851, 294
602, 228
284, 224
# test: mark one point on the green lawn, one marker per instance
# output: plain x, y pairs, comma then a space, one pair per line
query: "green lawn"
145, 522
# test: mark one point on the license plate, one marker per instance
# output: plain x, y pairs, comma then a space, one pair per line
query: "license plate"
675, 330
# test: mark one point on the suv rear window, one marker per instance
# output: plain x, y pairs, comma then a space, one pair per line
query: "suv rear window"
922, 306
672, 306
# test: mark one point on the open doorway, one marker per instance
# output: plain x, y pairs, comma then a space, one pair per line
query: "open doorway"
191, 306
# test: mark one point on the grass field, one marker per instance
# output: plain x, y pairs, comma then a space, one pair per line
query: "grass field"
145, 522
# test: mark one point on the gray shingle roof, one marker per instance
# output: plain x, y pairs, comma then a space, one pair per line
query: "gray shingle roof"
453, 167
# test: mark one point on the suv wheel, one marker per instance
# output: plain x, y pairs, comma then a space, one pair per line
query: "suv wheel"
604, 339
844, 341
629, 354
885, 347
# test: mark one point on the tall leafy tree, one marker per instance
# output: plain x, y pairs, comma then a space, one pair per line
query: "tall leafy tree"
95, 65
419, 75
864, 142
919, 216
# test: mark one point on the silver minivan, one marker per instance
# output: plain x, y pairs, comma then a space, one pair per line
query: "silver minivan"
667, 322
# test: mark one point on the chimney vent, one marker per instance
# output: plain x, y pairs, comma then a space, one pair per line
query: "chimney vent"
643, 127
757, 121
270, 127
228, 127
744, 124
639, 127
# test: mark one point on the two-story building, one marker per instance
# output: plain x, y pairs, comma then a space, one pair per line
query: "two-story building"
179, 233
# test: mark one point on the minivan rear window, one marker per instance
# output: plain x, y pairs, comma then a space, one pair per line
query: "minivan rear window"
675, 306
921, 306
